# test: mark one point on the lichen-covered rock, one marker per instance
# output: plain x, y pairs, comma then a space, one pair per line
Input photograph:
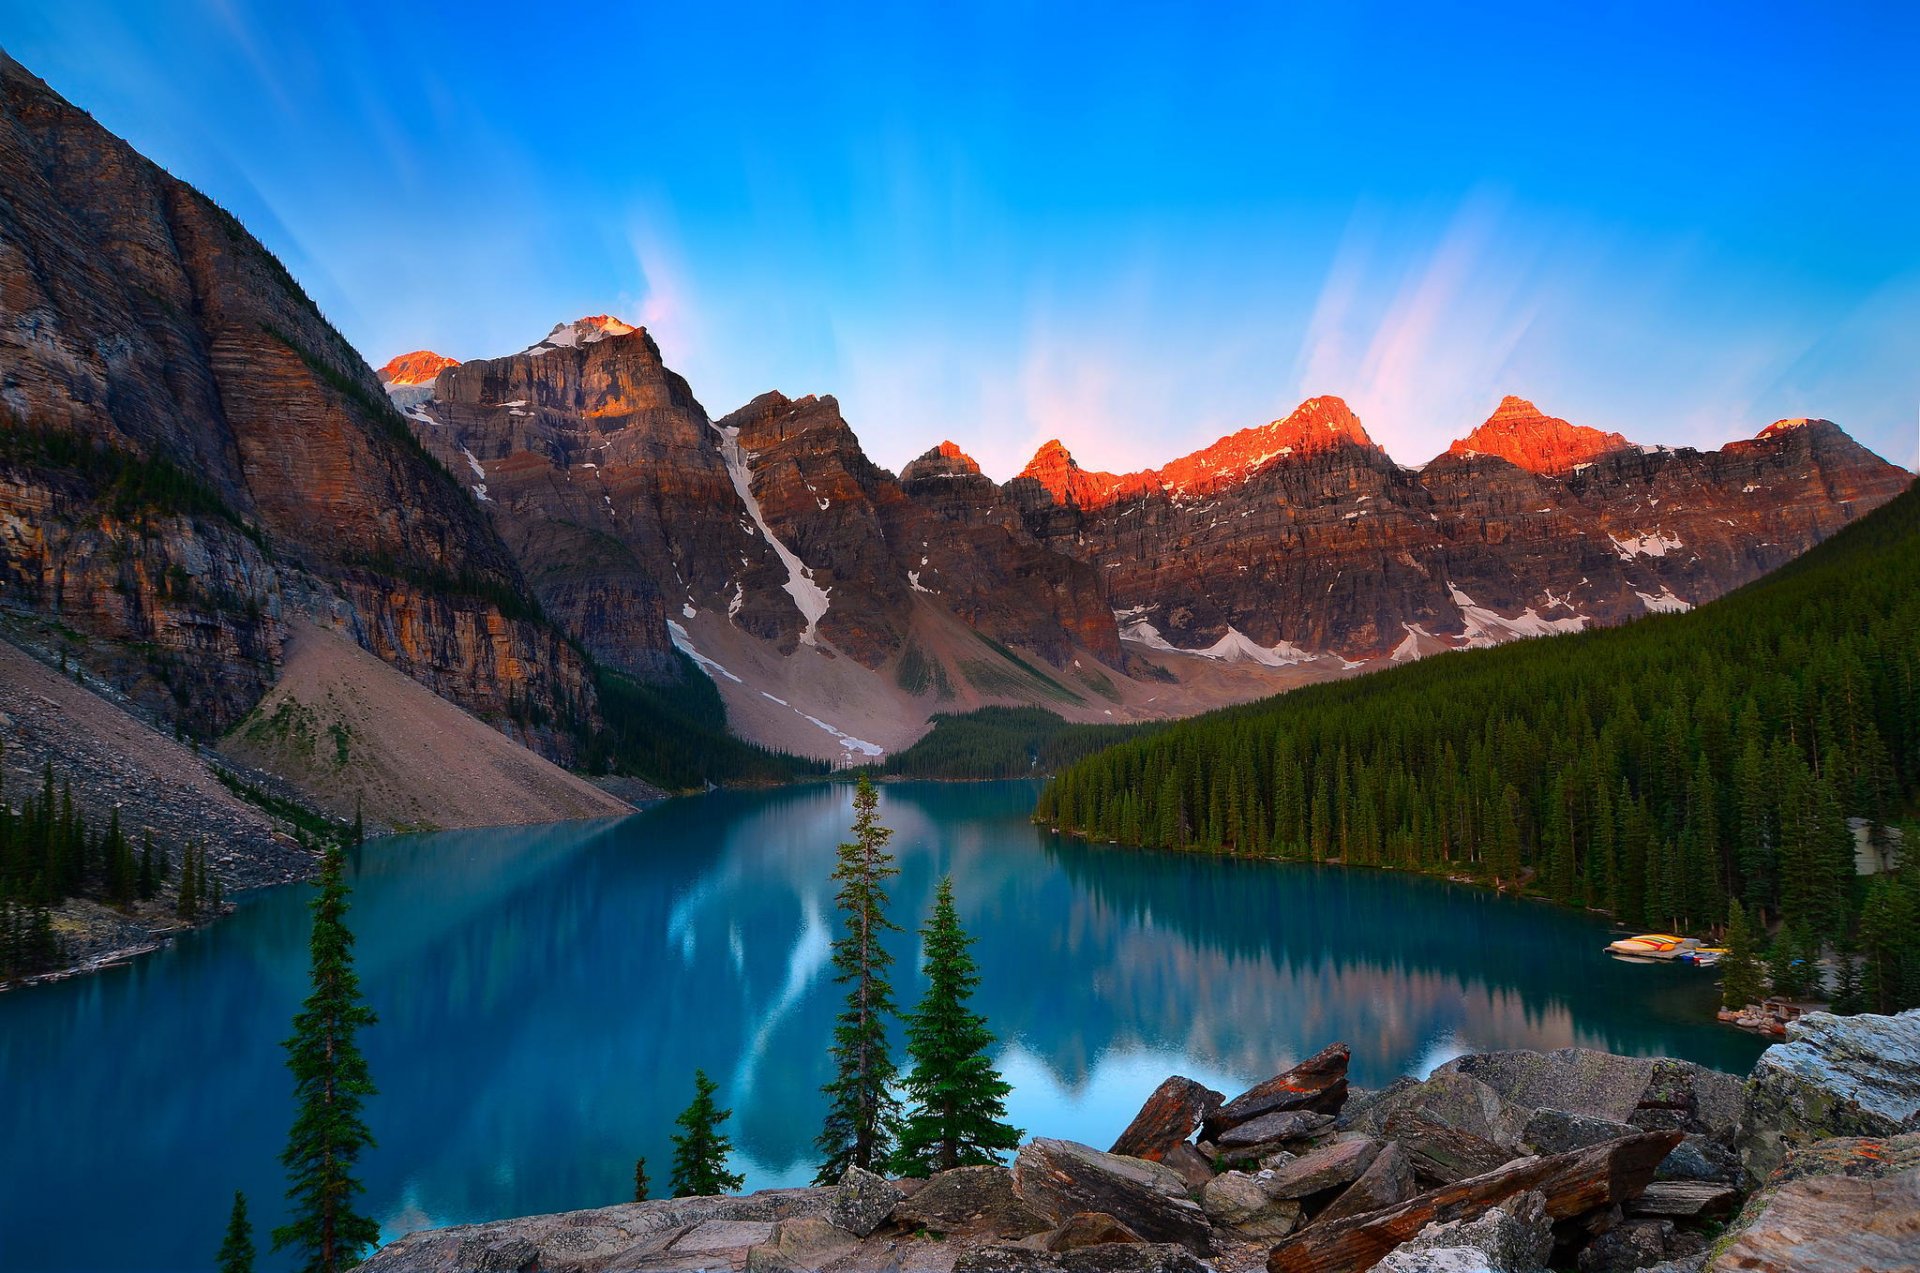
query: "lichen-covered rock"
1235, 1200
803, 1244
1084, 1229
971, 1201
1638, 1244
863, 1201
1835, 1076
1514, 1237
1555, 1131
1330, 1167
1171, 1115
1387, 1182
1274, 1128
1108, 1257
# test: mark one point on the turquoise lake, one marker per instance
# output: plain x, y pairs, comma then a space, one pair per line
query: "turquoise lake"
545, 995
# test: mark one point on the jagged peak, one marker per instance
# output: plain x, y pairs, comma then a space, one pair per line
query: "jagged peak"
1779, 427
417, 368
1528, 437
945, 460
581, 331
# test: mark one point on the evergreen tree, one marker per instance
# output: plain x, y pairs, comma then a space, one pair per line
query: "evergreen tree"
860, 1119
959, 1098
331, 1084
236, 1249
700, 1151
641, 1184
1742, 976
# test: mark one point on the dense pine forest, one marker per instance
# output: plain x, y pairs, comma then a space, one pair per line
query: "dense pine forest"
1005, 742
1657, 771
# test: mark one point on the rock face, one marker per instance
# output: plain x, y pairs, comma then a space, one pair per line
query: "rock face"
1304, 538
1514, 1237
1317, 1085
1060, 1178
192, 453
1835, 1076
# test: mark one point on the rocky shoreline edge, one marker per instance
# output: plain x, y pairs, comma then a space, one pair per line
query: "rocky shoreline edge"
1504, 1162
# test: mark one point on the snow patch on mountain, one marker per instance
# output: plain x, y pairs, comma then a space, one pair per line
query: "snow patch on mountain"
808, 597
1485, 627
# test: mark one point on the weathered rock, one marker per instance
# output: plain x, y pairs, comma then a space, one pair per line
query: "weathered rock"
1571, 1184
1576, 1080
1235, 1200
1387, 1182
1835, 1076
1275, 1128
1685, 1199
1084, 1229
1637, 1244
1464, 1103
1359, 1112
801, 1245
1331, 1167
1831, 1224
1701, 1158
1060, 1177
863, 1202
1514, 1237
1171, 1115
498, 1255
1318, 1084
1441, 1153
664, 1234
1194, 1167
1555, 1131
972, 1201
1108, 1257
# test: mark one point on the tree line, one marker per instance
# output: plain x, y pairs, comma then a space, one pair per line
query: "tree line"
1659, 772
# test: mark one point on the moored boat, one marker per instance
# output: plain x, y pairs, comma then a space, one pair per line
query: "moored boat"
1653, 946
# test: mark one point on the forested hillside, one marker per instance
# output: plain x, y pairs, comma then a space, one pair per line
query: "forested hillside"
1655, 771
1005, 742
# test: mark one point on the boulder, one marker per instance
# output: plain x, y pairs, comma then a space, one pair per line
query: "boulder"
1571, 1184
1387, 1182
1234, 1200
498, 1255
1060, 1177
1638, 1244
1514, 1237
976, 1202
863, 1202
1848, 1204
1318, 1083
1701, 1158
1274, 1129
1555, 1131
1108, 1257
1835, 1076
1577, 1080
1330, 1167
1193, 1166
801, 1245
1086, 1228
1441, 1153
1358, 1112
1464, 1103
1170, 1117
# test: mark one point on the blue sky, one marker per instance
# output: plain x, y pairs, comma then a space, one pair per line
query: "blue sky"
1134, 227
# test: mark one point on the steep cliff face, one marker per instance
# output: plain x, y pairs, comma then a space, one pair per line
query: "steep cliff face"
1303, 537
192, 451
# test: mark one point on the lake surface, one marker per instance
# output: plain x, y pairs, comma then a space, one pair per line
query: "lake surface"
545, 995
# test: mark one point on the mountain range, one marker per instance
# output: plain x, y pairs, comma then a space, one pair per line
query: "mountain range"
838, 604
195, 464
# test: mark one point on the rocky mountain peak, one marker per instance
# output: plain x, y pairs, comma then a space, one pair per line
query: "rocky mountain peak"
581, 331
1780, 427
416, 368
1524, 435
945, 460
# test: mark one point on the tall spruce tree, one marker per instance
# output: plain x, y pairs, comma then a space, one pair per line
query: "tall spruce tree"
959, 1099
860, 1120
699, 1150
1743, 978
236, 1249
331, 1084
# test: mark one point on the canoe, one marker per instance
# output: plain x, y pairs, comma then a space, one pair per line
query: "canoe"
1653, 946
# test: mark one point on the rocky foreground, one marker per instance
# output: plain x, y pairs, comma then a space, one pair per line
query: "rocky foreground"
1507, 1162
